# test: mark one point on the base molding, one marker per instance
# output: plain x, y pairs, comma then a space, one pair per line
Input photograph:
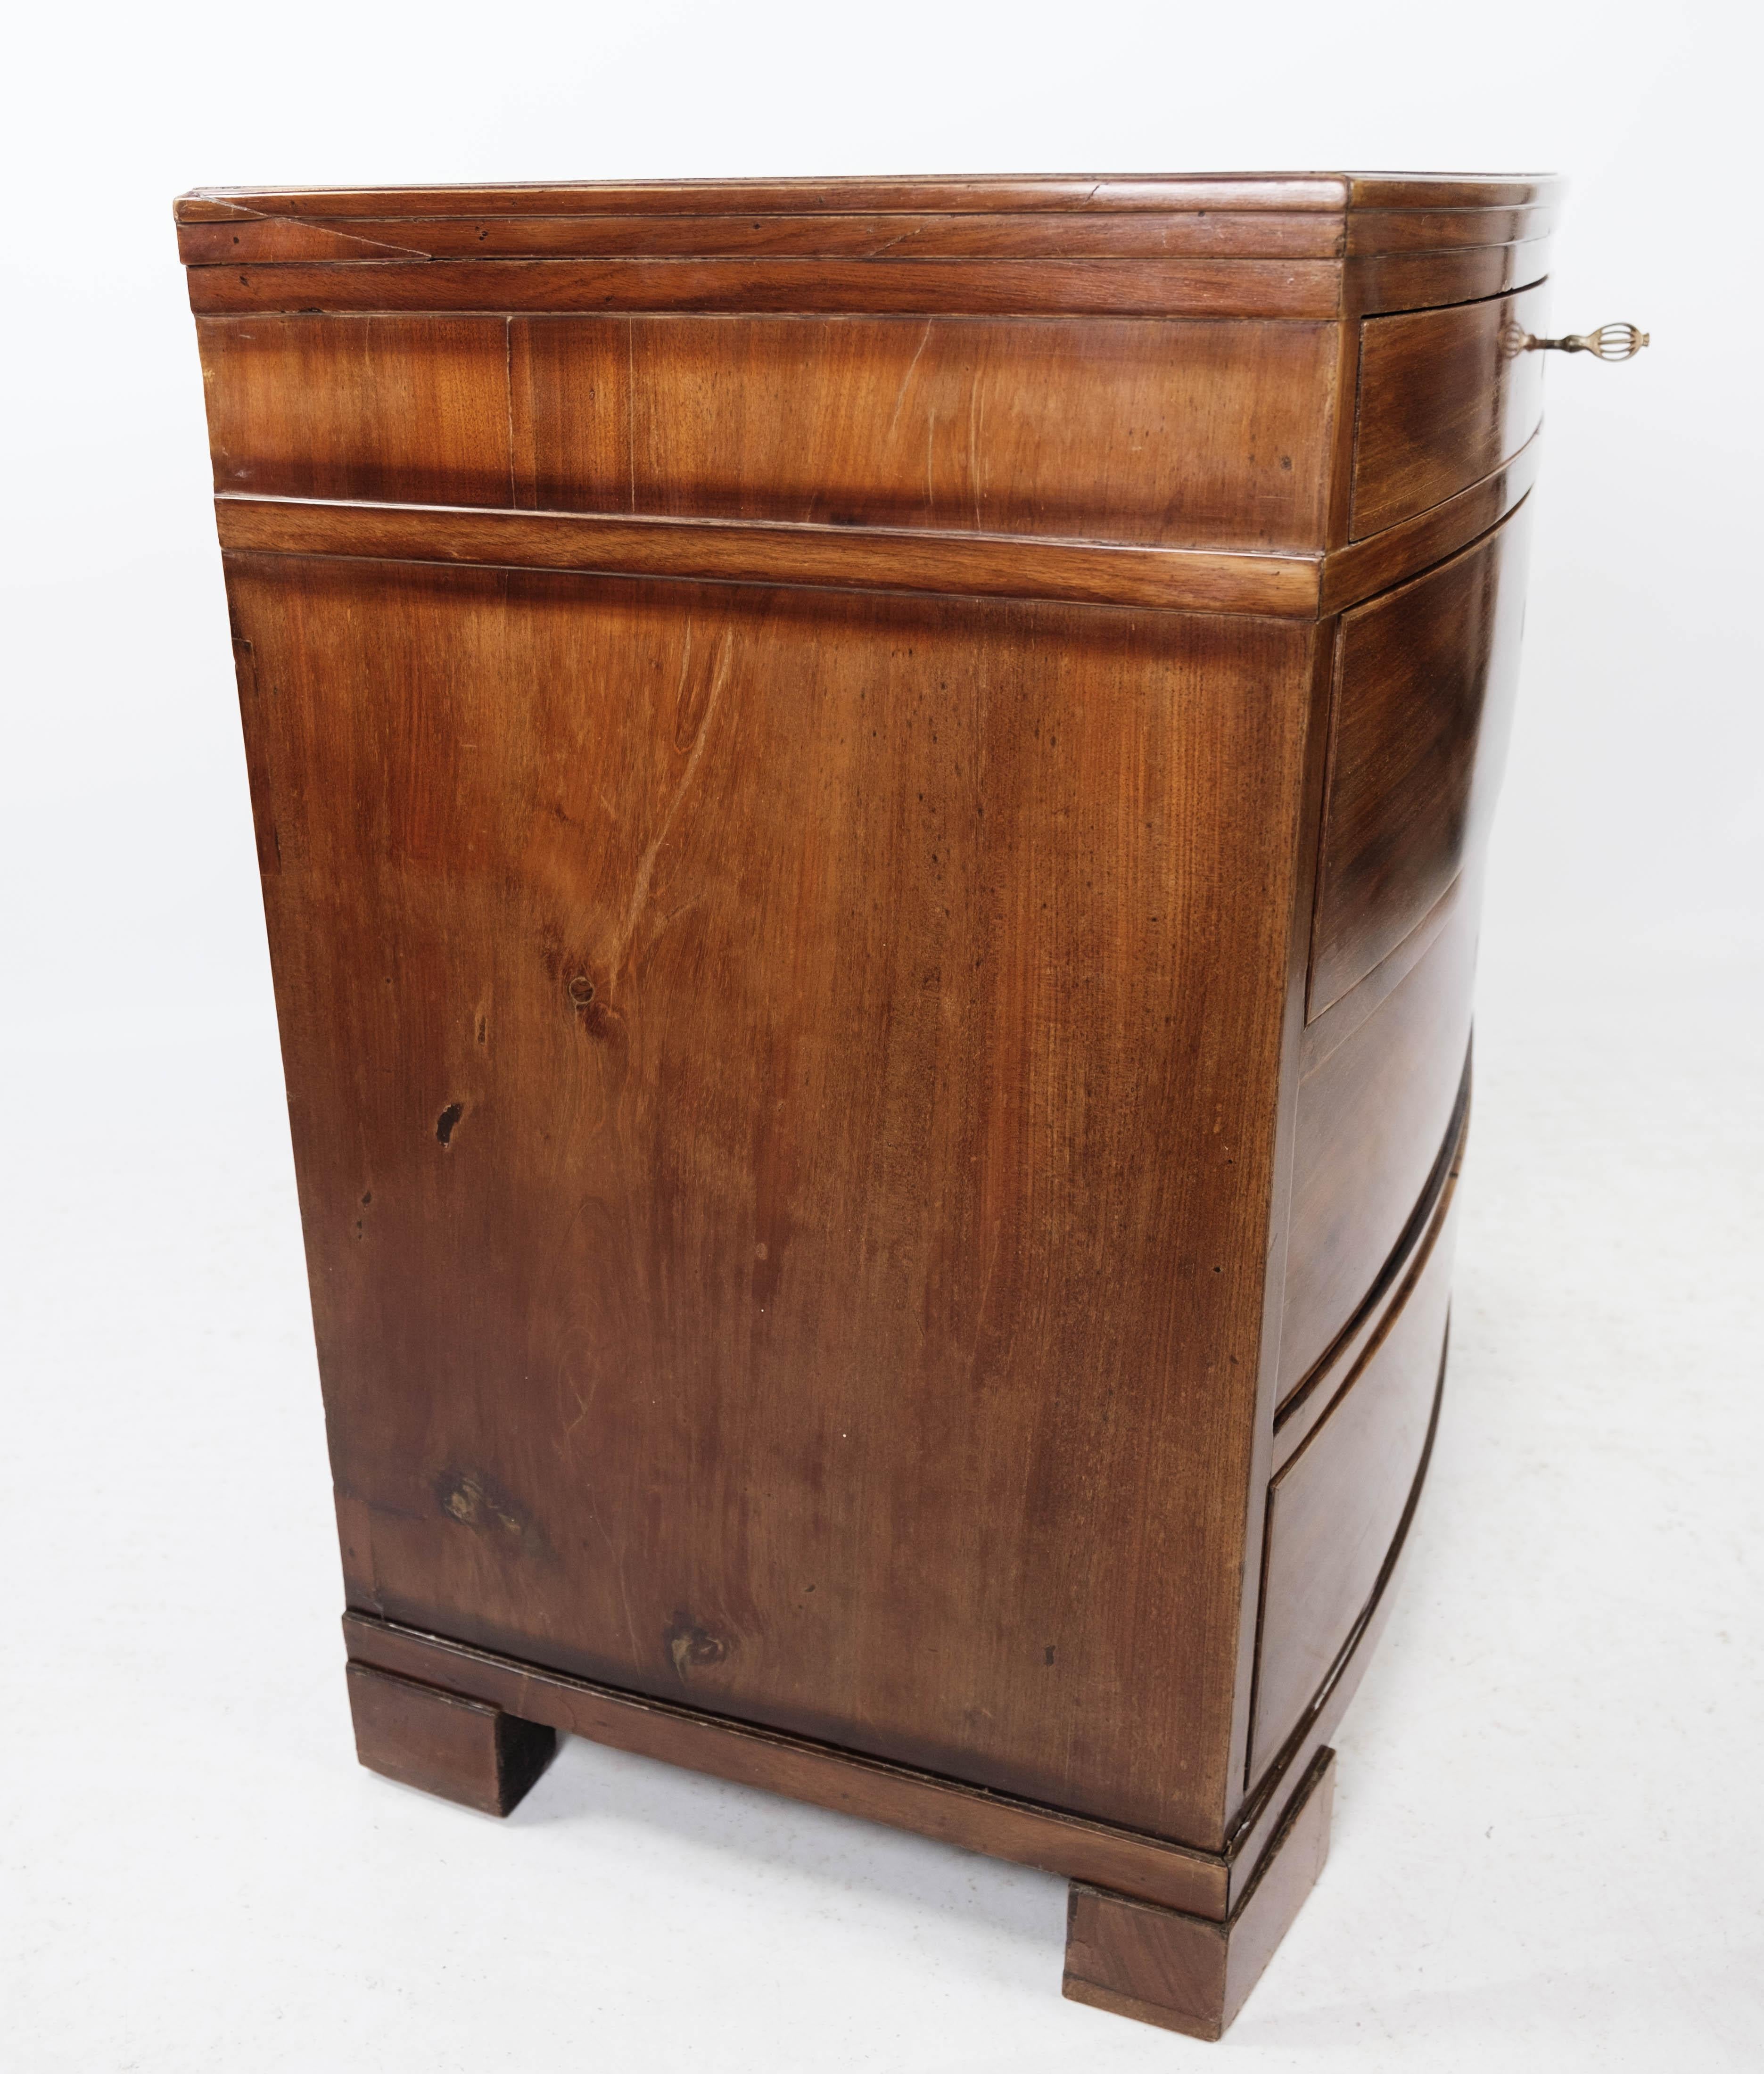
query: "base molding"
1156, 1929
1182, 1972
1124, 1861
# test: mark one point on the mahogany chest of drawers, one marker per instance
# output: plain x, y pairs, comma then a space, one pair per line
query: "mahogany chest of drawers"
870, 797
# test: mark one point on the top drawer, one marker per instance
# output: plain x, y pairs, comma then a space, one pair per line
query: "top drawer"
1442, 403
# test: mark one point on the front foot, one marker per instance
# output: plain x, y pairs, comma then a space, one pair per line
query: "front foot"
463, 1750
1182, 1971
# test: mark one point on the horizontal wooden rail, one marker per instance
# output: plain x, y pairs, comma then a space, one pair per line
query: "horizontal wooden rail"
741, 551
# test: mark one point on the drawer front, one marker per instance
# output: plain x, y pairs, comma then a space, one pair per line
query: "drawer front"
1372, 1120
1425, 681
1335, 1510
1444, 402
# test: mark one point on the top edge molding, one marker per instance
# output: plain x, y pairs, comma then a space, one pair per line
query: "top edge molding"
1008, 194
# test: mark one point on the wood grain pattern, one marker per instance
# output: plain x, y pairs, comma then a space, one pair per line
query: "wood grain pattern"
1146, 286
1411, 230
1350, 1012
1185, 1974
678, 1233
1454, 191
960, 194
1304, 1407
1126, 1861
1084, 193
1195, 433
966, 565
1353, 573
410, 409
1427, 677
1094, 234
241, 237
1372, 1119
1444, 401
871, 797
1338, 1502
1390, 282
445, 1743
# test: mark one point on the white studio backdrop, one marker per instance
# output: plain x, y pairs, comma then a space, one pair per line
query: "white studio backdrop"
1549, 1845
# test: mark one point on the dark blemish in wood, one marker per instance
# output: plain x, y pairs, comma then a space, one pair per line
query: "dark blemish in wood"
1047, 1653
368, 1197
448, 1118
476, 1501
693, 1646
482, 1025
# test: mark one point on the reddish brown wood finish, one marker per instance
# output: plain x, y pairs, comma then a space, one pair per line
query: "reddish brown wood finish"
1182, 432
1427, 674
795, 833
1446, 399
445, 1743
1002, 1825
870, 797
1336, 1502
1183, 1972
406, 409
1370, 1122
901, 558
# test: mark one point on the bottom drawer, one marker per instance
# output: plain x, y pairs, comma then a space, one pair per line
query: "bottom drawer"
1336, 1508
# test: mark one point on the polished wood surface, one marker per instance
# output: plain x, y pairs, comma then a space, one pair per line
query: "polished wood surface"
1336, 1502
1245, 234
1309, 1398
1353, 573
1185, 432
1370, 1122
1184, 1973
871, 798
1246, 246
933, 884
1132, 431
1146, 286
1427, 677
1445, 400
1000, 1825
901, 558
397, 409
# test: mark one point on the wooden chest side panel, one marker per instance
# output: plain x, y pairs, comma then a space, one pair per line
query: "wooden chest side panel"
1426, 683
782, 1088
405, 409
1192, 432
1335, 1509
1445, 399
